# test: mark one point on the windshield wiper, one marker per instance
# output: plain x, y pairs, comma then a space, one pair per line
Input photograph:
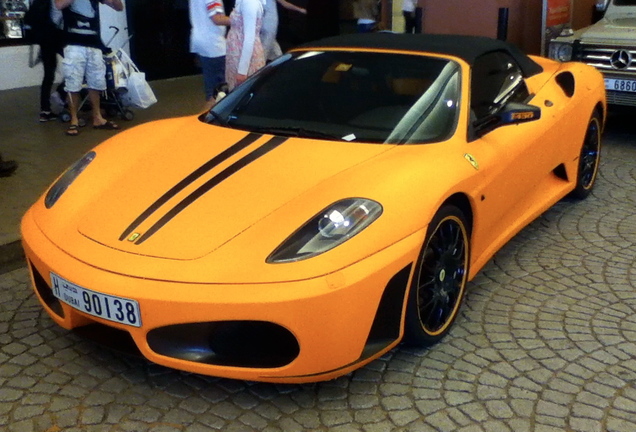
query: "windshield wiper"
296, 132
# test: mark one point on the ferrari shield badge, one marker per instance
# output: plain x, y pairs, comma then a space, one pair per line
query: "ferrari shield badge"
133, 237
472, 160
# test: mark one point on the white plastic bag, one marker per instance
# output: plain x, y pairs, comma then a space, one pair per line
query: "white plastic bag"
139, 92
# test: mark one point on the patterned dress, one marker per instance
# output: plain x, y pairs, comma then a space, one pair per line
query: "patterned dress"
240, 51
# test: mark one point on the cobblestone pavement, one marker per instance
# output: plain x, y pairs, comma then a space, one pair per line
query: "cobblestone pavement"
546, 342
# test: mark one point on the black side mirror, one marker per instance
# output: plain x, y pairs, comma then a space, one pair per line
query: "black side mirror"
512, 113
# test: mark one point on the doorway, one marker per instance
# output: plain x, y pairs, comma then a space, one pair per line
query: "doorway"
160, 38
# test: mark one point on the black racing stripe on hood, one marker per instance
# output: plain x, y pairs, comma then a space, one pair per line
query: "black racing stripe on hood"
214, 181
206, 167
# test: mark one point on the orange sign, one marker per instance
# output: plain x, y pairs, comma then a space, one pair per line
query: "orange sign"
558, 13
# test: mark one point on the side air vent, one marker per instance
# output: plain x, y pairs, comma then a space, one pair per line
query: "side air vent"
560, 172
566, 82
387, 322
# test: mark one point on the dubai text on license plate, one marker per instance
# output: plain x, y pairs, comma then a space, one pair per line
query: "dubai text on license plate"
118, 309
620, 85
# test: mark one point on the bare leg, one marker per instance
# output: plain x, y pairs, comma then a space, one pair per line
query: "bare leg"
93, 96
99, 121
73, 106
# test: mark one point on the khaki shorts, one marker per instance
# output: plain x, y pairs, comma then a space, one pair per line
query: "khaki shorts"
83, 64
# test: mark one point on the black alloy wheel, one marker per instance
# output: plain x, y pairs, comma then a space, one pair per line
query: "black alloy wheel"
439, 283
589, 159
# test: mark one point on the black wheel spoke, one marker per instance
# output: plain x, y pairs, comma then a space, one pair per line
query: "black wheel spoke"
589, 155
427, 285
430, 303
455, 290
589, 158
441, 276
435, 317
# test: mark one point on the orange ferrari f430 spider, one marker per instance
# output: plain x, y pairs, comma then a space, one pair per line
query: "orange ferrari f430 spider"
330, 207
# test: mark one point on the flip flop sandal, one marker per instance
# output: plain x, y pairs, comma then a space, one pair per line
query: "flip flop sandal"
109, 125
73, 130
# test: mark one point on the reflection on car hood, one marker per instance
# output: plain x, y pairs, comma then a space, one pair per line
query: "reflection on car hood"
201, 185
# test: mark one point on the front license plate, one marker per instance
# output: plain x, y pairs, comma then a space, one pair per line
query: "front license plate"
620, 85
118, 309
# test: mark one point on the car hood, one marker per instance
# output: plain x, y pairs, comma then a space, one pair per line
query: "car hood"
226, 232
187, 190
611, 29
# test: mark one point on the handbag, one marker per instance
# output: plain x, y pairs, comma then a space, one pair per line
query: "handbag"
139, 92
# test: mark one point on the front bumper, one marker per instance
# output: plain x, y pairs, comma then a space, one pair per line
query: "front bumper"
321, 327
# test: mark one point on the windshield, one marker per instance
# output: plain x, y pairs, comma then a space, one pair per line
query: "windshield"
348, 96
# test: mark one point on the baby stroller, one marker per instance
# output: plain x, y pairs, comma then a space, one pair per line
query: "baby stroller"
116, 99
113, 99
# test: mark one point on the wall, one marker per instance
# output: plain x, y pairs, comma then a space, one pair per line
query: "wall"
525, 25
14, 60
463, 17
111, 18
479, 17
582, 16
460, 17
14, 68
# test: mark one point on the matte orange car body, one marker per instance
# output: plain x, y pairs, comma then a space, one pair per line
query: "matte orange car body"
209, 262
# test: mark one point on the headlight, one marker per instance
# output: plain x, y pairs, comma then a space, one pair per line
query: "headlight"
328, 229
67, 178
561, 51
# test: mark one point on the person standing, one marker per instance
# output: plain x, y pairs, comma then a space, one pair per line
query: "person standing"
408, 11
207, 41
83, 58
244, 48
45, 22
269, 29
366, 12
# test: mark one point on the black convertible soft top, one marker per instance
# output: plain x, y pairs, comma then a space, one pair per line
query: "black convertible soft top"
468, 48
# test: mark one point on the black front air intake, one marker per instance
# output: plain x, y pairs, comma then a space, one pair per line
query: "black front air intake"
250, 344
45, 292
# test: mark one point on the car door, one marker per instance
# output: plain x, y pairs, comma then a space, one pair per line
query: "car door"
514, 161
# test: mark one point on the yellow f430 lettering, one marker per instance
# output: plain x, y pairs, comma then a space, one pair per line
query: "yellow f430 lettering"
523, 115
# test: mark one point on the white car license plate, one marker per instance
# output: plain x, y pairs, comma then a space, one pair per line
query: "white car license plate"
118, 309
620, 85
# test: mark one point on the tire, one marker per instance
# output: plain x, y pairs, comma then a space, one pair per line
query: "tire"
440, 279
589, 159
128, 115
111, 111
65, 116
